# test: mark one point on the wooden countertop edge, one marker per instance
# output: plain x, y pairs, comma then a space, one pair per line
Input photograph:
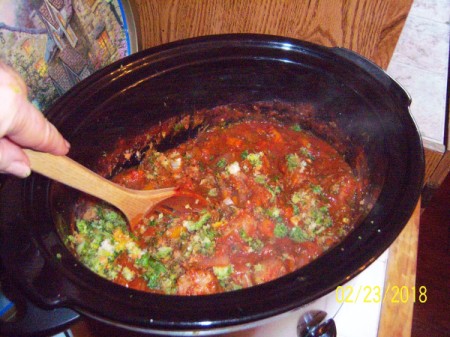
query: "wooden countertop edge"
397, 307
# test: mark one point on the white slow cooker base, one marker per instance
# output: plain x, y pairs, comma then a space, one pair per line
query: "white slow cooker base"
354, 319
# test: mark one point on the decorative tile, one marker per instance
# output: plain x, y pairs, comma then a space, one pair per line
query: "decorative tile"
424, 44
436, 10
428, 92
420, 64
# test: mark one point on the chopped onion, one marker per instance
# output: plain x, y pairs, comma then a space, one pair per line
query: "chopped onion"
107, 246
228, 201
175, 163
234, 168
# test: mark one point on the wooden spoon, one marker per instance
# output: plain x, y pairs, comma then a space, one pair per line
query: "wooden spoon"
133, 203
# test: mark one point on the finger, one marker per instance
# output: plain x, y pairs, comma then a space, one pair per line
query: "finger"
26, 126
13, 160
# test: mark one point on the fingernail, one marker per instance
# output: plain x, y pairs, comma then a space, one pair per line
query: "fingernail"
67, 143
19, 168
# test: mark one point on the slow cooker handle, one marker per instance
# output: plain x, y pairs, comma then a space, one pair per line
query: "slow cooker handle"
30, 320
373, 69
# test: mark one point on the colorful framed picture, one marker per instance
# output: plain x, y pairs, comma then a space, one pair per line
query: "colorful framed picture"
54, 44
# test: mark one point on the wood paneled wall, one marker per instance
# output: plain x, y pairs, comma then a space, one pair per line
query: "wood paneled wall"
368, 27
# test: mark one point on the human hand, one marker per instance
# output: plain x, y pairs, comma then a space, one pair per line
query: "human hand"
23, 126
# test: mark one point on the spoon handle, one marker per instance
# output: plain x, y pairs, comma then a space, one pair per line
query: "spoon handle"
69, 172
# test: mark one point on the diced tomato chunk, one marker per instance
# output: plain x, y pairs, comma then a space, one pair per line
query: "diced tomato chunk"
197, 282
268, 270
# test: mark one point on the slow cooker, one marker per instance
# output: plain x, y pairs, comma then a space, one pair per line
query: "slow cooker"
369, 109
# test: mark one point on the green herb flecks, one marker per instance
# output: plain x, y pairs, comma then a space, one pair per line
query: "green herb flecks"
254, 243
317, 189
95, 244
307, 153
221, 163
264, 181
202, 242
154, 270
298, 235
280, 230
255, 159
319, 220
192, 226
223, 273
164, 252
293, 161
178, 127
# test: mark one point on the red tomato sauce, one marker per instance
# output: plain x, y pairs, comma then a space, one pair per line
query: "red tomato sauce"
276, 197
